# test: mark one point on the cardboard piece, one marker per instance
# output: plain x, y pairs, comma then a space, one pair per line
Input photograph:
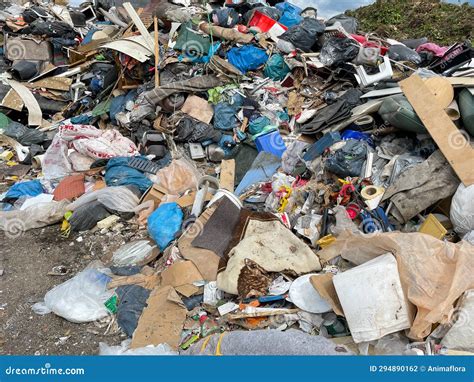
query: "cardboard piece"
161, 321
180, 273
452, 143
206, 261
145, 281
325, 287
198, 108
227, 176
54, 83
188, 290
13, 101
155, 193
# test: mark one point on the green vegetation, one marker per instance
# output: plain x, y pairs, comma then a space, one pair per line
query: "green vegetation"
441, 22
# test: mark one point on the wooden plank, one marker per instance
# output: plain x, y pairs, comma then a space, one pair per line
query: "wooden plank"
227, 177
452, 142
140, 26
157, 52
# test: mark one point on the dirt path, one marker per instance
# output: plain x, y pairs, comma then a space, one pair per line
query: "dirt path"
26, 261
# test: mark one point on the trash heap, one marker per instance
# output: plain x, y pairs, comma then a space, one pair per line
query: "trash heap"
295, 185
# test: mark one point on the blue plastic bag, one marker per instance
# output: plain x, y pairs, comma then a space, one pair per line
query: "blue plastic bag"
290, 14
224, 113
276, 68
118, 173
29, 188
164, 223
256, 125
246, 58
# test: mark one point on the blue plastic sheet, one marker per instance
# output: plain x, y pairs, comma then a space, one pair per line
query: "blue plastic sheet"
118, 173
164, 223
276, 68
29, 188
247, 57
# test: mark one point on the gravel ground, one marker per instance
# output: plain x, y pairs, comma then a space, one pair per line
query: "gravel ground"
26, 262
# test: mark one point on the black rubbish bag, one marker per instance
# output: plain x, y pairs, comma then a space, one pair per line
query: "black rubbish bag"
336, 51
349, 160
304, 35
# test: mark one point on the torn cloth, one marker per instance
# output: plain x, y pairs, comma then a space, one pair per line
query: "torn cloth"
195, 84
421, 186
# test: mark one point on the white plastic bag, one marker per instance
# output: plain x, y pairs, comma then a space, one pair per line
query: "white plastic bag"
123, 349
55, 164
462, 209
80, 299
119, 198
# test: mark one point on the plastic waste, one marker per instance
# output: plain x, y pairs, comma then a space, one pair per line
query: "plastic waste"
349, 160
121, 199
55, 164
24, 135
118, 173
28, 188
290, 14
247, 57
86, 216
178, 177
131, 302
164, 223
79, 299
134, 253
304, 35
276, 68
224, 113
403, 53
124, 349
37, 216
462, 209
336, 51
391, 344
350, 24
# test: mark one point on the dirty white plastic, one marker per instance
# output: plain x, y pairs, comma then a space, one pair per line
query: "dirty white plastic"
80, 299
133, 253
462, 209
385, 71
119, 198
372, 298
305, 297
123, 349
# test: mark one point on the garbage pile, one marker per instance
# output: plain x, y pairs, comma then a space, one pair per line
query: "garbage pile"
296, 186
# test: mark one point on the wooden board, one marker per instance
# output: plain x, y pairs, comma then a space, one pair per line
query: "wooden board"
227, 177
452, 142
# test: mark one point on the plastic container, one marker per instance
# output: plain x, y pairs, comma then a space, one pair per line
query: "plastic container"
372, 298
263, 22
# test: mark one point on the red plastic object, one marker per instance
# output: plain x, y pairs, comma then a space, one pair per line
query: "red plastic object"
263, 22
369, 44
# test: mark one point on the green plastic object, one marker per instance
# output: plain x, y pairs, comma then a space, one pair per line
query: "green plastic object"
4, 121
466, 108
397, 111
191, 43
111, 304
276, 68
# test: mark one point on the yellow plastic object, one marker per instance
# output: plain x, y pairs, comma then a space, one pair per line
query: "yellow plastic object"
6, 155
326, 241
432, 226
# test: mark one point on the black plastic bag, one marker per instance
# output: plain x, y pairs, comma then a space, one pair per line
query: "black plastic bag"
131, 302
24, 135
349, 24
349, 160
190, 130
304, 35
86, 217
225, 17
403, 53
336, 51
